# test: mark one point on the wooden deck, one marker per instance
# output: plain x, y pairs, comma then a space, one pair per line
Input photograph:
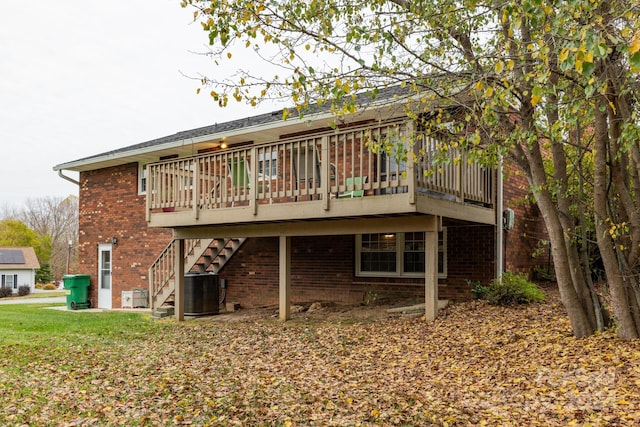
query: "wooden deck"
319, 177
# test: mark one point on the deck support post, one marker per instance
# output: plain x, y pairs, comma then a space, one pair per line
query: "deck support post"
196, 199
179, 280
285, 277
431, 275
325, 177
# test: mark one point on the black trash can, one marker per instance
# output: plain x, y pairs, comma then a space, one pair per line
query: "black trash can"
201, 294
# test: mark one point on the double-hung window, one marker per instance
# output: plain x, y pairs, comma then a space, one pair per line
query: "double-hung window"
142, 178
397, 254
267, 165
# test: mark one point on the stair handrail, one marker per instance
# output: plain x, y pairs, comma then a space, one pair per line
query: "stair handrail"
156, 286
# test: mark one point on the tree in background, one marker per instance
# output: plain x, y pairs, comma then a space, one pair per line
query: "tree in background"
58, 218
540, 82
55, 218
44, 275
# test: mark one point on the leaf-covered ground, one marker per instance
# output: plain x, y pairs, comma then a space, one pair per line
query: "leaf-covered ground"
475, 365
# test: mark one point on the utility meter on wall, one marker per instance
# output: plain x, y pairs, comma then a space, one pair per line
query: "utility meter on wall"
508, 219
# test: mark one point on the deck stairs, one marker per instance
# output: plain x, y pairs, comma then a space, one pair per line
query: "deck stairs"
201, 255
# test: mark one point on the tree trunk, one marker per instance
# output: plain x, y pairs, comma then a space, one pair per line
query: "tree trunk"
580, 322
561, 180
615, 278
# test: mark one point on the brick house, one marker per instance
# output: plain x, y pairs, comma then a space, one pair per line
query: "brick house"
296, 211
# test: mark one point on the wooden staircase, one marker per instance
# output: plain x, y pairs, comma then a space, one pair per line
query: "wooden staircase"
201, 255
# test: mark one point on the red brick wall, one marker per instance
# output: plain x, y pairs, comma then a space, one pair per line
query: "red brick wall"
110, 206
470, 256
323, 269
524, 240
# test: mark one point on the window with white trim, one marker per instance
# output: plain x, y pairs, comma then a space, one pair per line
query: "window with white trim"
142, 178
267, 165
397, 254
9, 281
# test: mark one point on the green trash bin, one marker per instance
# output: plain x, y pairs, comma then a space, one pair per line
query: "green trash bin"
77, 286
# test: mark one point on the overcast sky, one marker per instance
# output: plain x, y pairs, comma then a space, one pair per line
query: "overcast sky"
79, 78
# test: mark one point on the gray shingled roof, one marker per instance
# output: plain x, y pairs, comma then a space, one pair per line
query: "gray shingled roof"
261, 119
194, 133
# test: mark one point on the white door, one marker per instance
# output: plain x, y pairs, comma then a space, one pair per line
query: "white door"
104, 276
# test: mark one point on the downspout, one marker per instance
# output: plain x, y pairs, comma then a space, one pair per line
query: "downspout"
499, 222
61, 175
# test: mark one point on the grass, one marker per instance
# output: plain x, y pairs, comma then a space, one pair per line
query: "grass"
477, 364
33, 325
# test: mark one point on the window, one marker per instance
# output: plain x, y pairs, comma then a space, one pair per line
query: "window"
267, 165
413, 255
393, 163
142, 178
10, 281
378, 252
397, 254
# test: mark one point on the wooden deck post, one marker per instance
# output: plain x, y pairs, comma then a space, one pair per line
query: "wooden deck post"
179, 280
325, 177
285, 278
196, 199
431, 275
411, 161
253, 178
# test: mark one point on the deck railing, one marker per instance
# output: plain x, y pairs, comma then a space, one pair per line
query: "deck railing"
317, 167
162, 271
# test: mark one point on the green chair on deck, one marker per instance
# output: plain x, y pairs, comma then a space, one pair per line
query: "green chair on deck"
356, 181
239, 173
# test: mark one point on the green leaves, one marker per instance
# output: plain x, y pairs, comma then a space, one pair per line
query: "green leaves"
524, 76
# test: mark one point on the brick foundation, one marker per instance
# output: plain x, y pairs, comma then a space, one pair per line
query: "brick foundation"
323, 269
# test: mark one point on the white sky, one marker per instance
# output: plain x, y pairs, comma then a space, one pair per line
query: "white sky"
79, 78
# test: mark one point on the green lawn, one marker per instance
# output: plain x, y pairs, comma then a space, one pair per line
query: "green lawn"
33, 325
475, 365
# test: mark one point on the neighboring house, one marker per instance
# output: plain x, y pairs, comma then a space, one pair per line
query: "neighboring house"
295, 211
18, 267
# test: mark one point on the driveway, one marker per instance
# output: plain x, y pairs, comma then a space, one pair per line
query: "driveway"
41, 300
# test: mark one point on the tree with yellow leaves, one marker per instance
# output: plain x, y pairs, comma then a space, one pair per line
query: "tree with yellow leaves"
552, 85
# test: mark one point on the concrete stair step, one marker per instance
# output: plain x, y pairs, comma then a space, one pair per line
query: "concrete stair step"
416, 309
162, 312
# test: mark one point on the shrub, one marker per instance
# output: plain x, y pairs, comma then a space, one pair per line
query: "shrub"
477, 289
50, 287
5, 292
513, 289
24, 290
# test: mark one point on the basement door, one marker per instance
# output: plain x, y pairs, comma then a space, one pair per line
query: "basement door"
104, 276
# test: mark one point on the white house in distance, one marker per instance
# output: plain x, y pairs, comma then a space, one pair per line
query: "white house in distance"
18, 267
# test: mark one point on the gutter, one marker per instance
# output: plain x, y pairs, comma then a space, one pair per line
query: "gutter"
61, 175
499, 223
